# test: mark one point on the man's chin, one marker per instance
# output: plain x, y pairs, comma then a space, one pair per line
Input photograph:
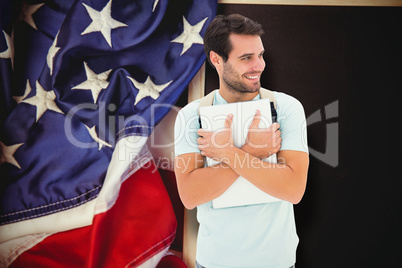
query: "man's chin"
255, 88
244, 88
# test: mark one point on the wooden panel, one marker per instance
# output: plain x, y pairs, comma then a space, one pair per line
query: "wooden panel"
196, 88
190, 237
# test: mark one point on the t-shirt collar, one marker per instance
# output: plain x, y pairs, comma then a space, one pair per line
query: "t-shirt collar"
220, 100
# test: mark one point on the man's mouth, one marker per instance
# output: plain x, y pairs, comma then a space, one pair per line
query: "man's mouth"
251, 77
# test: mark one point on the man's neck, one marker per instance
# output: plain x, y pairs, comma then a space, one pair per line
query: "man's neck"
232, 96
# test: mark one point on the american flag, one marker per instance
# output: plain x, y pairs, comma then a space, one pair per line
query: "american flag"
83, 84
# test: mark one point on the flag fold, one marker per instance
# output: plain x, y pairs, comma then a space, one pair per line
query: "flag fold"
83, 84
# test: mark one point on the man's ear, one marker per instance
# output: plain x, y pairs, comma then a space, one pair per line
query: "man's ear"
216, 60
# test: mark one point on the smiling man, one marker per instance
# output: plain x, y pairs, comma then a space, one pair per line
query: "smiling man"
242, 75
261, 235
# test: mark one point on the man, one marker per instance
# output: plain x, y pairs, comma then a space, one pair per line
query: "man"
262, 235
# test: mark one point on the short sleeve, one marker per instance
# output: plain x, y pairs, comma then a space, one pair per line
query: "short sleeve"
185, 129
292, 121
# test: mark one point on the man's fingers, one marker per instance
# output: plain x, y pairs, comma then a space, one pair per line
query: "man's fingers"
201, 140
228, 121
200, 132
276, 142
274, 127
203, 133
256, 119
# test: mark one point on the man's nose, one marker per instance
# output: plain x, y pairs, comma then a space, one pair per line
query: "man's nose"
259, 65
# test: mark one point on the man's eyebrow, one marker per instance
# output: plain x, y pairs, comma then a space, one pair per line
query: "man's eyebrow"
250, 54
246, 55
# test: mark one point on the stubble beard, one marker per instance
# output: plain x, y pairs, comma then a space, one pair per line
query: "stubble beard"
238, 86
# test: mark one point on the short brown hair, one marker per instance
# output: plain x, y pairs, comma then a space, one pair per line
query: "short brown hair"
216, 37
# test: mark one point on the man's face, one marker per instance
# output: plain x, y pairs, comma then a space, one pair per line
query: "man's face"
245, 63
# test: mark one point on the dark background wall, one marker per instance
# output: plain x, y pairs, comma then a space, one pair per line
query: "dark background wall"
349, 58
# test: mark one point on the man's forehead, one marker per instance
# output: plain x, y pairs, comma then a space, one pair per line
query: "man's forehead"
246, 44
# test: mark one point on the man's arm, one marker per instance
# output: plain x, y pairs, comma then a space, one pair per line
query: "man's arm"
198, 184
285, 180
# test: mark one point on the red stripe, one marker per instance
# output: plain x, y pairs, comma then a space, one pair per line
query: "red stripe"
171, 261
139, 225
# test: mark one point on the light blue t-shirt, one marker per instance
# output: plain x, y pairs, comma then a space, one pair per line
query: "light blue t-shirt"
261, 235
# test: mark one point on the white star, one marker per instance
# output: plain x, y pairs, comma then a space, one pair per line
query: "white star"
9, 52
27, 12
95, 82
28, 89
43, 100
155, 4
94, 136
102, 21
147, 89
191, 35
7, 154
52, 52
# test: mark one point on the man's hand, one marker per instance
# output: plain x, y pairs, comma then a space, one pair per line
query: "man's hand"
215, 144
262, 142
